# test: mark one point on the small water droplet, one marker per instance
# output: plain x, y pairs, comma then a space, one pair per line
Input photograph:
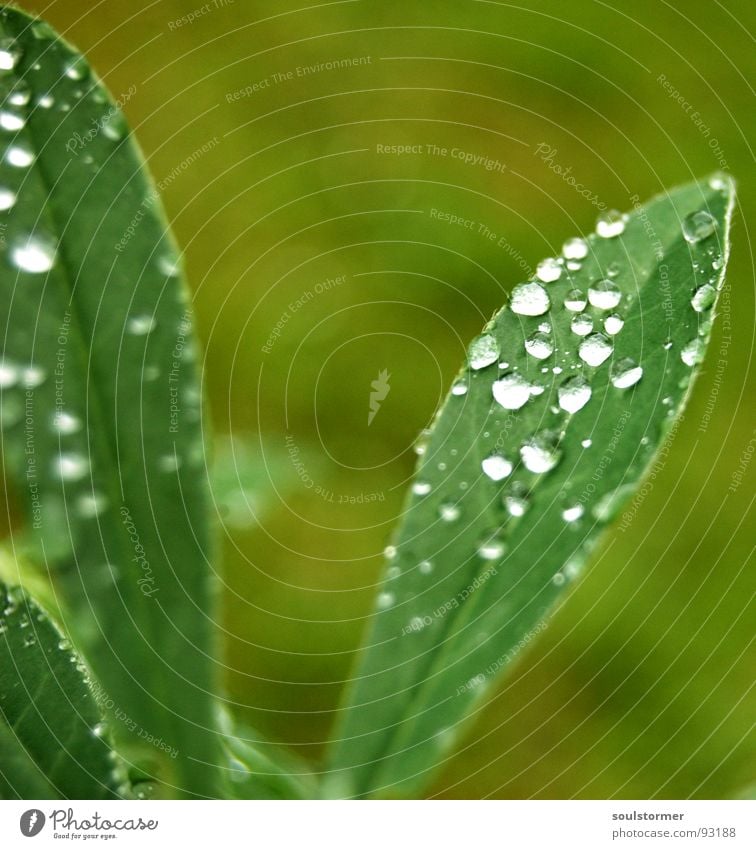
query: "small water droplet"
582, 324
574, 394
29, 640
45, 101
698, 226
595, 349
610, 224
511, 391
491, 548
385, 600
496, 467
115, 128
66, 423
539, 345
34, 254
449, 511
10, 54
575, 301
169, 463
141, 325
483, 351
100, 729
572, 514
426, 567
459, 387
91, 504
168, 265
549, 270
389, 552
70, 467
693, 352
626, 373
703, 298
613, 324
9, 374
421, 487
586, 443
576, 248
11, 121
604, 294
76, 68
421, 443
19, 155
541, 453
530, 299
19, 94
516, 501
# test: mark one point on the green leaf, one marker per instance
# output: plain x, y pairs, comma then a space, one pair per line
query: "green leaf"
52, 737
523, 471
100, 400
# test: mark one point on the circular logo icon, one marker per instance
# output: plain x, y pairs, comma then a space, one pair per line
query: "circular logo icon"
32, 822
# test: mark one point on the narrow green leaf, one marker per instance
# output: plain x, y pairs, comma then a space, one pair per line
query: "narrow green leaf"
548, 430
52, 737
100, 398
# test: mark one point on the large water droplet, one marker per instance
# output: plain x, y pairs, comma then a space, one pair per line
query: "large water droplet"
604, 294
574, 394
9, 374
421, 487
11, 122
511, 391
610, 224
549, 270
459, 387
582, 324
693, 352
595, 349
576, 248
19, 155
698, 226
483, 351
703, 298
497, 467
539, 345
7, 199
10, 54
34, 254
541, 452
572, 514
626, 373
530, 299
613, 324
70, 467
491, 548
575, 301
449, 511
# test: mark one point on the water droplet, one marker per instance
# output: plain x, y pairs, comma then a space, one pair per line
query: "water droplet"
115, 128
70, 467
574, 394
168, 265
34, 254
7, 199
492, 548
483, 351
614, 323
76, 68
9, 374
91, 504
45, 101
141, 325
604, 295
389, 552
544, 327
421, 443
703, 298
417, 623
530, 299
575, 301
11, 122
626, 373
449, 511
693, 352
610, 224
549, 270
586, 443
698, 226
576, 248
20, 93
497, 467
169, 463
426, 567
595, 349
720, 182
539, 345
66, 423
582, 324
100, 729
19, 155
421, 487
572, 514
541, 453
516, 500
385, 600
511, 391
29, 640
459, 387
10, 54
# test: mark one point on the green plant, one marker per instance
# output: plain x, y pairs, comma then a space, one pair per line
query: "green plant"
565, 398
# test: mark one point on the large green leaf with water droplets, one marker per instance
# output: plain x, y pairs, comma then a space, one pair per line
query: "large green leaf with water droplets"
548, 431
52, 739
100, 401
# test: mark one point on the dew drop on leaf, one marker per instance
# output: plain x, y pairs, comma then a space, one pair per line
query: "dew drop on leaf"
34, 254
19, 155
572, 514
7, 199
497, 467
595, 349
483, 351
70, 467
10, 54
459, 387
582, 324
698, 226
703, 298
575, 301
539, 345
511, 391
541, 453
574, 394
693, 352
66, 423
613, 324
626, 373
491, 548
516, 501
604, 294
141, 325
530, 299
576, 248
449, 511
610, 224
549, 270
421, 487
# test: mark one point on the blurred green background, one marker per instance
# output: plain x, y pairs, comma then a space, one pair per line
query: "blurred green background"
642, 684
